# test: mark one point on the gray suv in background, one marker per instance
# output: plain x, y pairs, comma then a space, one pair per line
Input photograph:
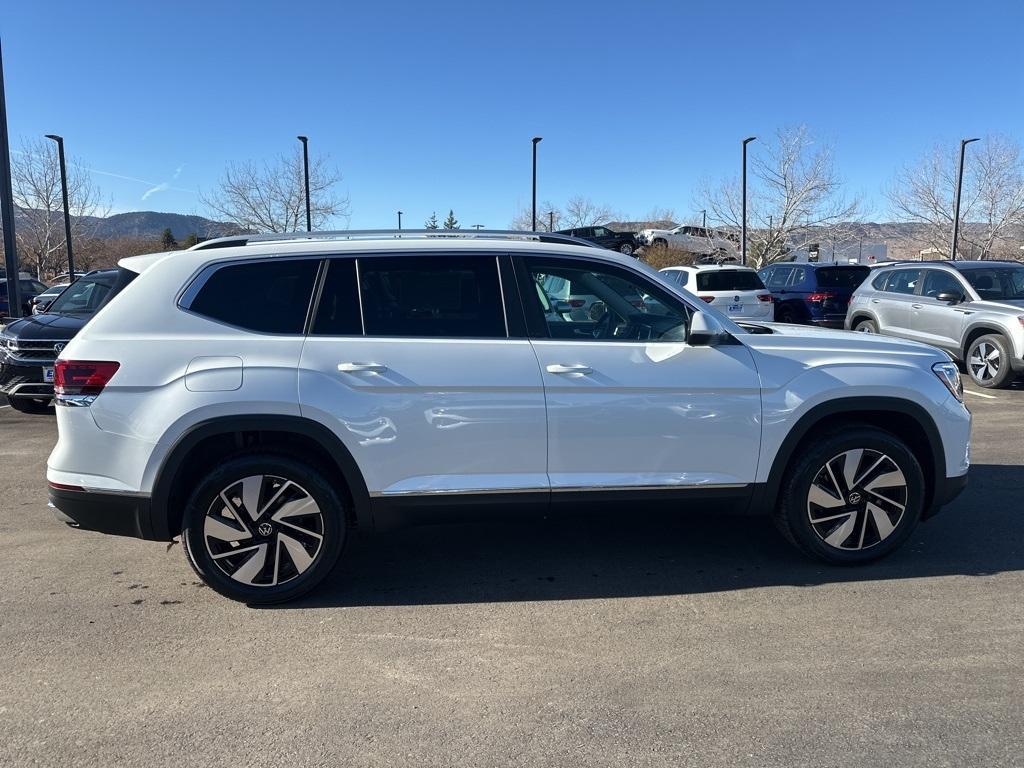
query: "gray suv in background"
972, 309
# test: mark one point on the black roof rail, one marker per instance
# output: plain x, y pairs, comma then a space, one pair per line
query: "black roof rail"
234, 241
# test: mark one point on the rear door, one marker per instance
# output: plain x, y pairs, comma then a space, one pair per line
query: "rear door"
630, 404
411, 361
894, 303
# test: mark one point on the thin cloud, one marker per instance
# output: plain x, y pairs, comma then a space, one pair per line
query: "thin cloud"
161, 187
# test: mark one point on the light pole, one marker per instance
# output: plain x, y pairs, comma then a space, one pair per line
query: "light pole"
478, 226
956, 201
743, 236
704, 218
551, 221
7, 206
536, 140
399, 220
305, 165
67, 211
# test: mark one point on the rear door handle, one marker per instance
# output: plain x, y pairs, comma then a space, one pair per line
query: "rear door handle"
558, 368
361, 367
916, 306
876, 301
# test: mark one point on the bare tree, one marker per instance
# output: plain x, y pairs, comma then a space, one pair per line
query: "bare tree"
547, 212
582, 212
991, 204
35, 177
794, 197
271, 197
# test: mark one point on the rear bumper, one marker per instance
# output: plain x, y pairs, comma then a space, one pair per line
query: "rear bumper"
113, 513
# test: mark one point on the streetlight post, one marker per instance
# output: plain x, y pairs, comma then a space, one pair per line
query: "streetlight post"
399, 220
536, 140
743, 235
64, 192
956, 201
305, 165
478, 226
551, 221
704, 218
7, 206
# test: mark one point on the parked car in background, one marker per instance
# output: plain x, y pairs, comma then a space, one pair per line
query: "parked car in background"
733, 290
42, 301
623, 242
366, 381
974, 310
700, 241
29, 289
29, 346
813, 293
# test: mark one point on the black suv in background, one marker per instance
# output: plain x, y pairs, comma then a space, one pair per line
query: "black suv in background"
29, 346
28, 288
623, 242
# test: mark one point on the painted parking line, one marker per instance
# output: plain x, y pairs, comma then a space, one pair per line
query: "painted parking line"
979, 394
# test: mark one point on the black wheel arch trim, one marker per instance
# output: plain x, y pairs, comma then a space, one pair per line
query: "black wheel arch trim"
162, 525
853, 405
971, 335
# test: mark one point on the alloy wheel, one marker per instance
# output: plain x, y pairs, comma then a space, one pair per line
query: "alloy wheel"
263, 530
984, 362
857, 499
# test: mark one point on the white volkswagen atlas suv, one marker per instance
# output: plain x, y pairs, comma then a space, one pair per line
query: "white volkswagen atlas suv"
262, 397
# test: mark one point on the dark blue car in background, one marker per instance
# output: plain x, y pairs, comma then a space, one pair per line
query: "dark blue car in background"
812, 293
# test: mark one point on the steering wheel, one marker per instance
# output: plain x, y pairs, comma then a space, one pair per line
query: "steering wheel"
605, 327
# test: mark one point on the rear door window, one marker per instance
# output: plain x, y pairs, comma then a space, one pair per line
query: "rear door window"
728, 280
432, 296
779, 277
903, 281
266, 296
337, 311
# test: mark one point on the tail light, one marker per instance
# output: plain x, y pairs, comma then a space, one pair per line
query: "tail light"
708, 299
82, 378
764, 297
820, 296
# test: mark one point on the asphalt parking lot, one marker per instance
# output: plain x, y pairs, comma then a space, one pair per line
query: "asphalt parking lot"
689, 641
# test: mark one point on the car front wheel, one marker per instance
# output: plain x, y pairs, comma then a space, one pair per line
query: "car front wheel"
626, 249
988, 362
851, 496
263, 529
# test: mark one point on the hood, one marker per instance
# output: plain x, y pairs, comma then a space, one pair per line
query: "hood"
46, 327
1005, 305
813, 339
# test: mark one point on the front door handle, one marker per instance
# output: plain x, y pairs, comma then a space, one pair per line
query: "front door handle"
558, 368
361, 367
876, 301
916, 306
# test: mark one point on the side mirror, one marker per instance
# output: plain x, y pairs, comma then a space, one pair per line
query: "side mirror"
950, 297
705, 330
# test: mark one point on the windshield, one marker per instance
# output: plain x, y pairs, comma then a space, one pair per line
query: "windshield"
841, 277
997, 283
729, 280
83, 296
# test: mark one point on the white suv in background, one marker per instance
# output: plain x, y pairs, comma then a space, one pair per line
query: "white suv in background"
262, 397
735, 291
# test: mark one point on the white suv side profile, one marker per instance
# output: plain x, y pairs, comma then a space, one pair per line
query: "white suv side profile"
263, 396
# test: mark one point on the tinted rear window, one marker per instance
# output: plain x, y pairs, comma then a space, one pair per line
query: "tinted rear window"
729, 280
266, 296
841, 277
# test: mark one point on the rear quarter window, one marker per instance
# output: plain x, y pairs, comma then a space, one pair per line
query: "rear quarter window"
841, 277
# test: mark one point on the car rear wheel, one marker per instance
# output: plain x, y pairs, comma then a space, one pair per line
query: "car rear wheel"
29, 404
988, 361
851, 496
263, 529
660, 243
626, 249
865, 326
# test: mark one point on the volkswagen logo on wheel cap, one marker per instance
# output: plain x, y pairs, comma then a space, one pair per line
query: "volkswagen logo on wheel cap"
58, 348
265, 529
855, 498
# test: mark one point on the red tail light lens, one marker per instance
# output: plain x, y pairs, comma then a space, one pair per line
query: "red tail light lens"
708, 299
764, 297
820, 296
82, 377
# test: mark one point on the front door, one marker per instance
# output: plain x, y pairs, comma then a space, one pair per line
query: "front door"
938, 322
413, 366
630, 404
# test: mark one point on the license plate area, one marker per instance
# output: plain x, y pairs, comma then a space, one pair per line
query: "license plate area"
735, 309
48, 375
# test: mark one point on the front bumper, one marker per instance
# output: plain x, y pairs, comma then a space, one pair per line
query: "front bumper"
945, 493
113, 513
24, 379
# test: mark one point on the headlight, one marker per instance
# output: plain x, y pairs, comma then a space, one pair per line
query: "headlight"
8, 343
949, 375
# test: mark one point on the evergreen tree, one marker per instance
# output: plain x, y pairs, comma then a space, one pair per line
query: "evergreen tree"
167, 241
431, 223
190, 240
451, 222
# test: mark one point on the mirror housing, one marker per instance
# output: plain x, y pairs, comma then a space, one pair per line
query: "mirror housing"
950, 297
705, 330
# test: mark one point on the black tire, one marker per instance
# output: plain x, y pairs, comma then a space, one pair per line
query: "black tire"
320, 534
30, 404
865, 326
856, 533
626, 249
984, 369
785, 315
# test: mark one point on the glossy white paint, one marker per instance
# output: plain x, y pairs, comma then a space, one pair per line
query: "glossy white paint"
475, 415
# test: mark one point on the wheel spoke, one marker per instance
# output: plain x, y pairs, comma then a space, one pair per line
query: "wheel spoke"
850, 466
296, 551
842, 533
251, 487
887, 500
275, 497
823, 498
892, 479
818, 520
295, 508
218, 529
252, 567
301, 530
882, 521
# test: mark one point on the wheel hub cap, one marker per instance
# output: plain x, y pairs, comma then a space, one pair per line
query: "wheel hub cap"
984, 362
857, 499
263, 530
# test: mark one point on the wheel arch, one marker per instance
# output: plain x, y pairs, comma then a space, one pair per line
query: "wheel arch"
236, 434
864, 314
903, 418
978, 330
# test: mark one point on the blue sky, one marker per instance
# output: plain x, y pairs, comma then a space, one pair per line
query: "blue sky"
430, 106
